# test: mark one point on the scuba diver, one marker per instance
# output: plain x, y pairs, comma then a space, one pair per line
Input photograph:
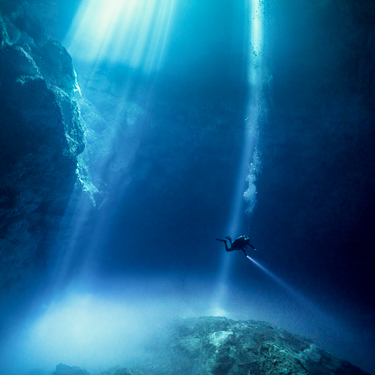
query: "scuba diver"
238, 244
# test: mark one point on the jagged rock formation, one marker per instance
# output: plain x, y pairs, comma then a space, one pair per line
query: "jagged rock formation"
41, 138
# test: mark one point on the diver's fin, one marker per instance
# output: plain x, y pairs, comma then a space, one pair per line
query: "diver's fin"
218, 239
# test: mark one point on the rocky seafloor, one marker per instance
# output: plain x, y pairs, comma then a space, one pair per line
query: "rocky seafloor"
221, 346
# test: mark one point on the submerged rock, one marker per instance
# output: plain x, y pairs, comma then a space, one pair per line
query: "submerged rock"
67, 370
220, 346
57, 66
122, 371
41, 137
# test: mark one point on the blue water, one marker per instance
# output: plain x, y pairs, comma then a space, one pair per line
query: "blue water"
185, 142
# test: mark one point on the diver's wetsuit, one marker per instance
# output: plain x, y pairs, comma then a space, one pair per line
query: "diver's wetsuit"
239, 244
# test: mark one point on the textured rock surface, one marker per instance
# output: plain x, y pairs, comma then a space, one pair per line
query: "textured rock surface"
41, 138
220, 346
122, 371
62, 369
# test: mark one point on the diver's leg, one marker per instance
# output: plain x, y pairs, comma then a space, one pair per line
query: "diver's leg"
225, 243
230, 239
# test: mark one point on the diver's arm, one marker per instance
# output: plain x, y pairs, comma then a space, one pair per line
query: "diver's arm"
252, 246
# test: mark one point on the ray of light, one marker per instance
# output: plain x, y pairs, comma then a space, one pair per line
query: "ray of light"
254, 14
132, 32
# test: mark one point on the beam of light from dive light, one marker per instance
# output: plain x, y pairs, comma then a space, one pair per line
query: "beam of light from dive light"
292, 292
325, 320
271, 275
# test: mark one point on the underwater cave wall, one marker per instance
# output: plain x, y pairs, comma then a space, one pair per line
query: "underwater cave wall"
41, 137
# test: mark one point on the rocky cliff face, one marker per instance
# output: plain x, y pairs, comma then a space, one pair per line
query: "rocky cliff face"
41, 137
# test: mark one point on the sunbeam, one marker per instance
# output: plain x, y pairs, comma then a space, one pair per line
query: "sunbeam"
254, 29
132, 32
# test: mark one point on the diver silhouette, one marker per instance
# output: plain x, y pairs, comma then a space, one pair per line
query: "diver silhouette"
238, 244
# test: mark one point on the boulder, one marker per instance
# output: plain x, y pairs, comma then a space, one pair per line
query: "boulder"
62, 369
